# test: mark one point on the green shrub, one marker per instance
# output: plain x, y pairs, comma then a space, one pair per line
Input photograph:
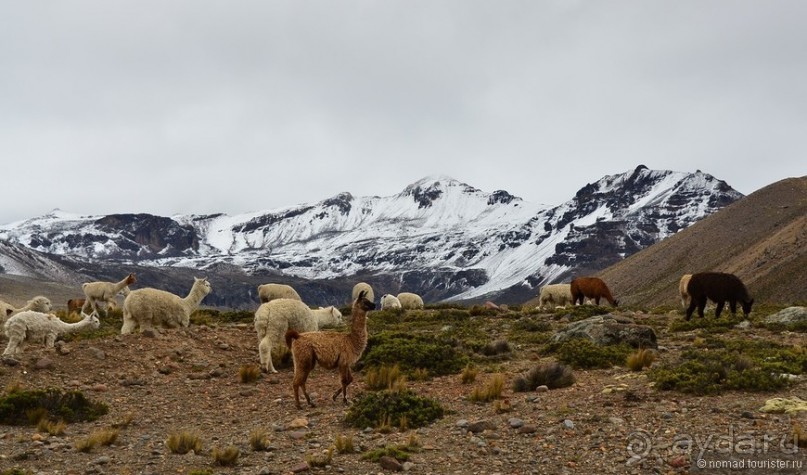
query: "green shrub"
552, 375
708, 323
412, 352
532, 325
72, 406
581, 312
498, 347
416, 410
110, 325
713, 372
584, 354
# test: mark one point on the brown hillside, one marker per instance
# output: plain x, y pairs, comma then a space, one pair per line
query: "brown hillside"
761, 238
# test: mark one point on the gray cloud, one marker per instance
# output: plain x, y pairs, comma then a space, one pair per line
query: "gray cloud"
202, 107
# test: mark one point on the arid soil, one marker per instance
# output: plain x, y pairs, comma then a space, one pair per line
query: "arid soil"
609, 421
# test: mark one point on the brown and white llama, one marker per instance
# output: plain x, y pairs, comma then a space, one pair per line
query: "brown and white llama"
105, 292
592, 288
720, 288
330, 349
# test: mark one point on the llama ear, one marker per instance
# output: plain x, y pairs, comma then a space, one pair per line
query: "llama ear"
9, 311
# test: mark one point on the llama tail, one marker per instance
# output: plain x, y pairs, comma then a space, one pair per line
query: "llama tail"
291, 335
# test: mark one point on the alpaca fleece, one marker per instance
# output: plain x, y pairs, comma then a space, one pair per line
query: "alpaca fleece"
269, 292
105, 292
150, 308
36, 327
410, 301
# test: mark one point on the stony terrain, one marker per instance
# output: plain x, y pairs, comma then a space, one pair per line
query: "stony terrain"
188, 380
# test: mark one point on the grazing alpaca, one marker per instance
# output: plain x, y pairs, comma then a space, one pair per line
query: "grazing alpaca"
362, 286
269, 292
560, 295
105, 292
75, 305
719, 288
149, 307
593, 288
37, 327
330, 349
389, 301
410, 301
682, 289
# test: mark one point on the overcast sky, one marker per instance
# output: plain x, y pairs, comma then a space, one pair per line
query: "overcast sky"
175, 107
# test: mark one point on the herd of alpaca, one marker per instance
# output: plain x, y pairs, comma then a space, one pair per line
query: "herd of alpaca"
283, 317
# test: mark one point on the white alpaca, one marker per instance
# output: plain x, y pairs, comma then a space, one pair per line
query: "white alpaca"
682, 289
269, 292
410, 301
274, 318
369, 295
390, 301
37, 304
37, 327
560, 295
150, 308
105, 292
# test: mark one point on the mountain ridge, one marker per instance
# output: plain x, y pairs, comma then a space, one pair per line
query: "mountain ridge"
438, 236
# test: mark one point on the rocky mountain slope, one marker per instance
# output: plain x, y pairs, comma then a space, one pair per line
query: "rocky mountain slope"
761, 238
439, 237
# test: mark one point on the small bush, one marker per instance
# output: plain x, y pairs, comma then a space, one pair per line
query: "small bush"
469, 374
125, 421
320, 460
184, 442
344, 444
259, 440
411, 352
493, 390
552, 375
531, 325
384, 377
502, 406
70, 407
581, 312
418, 411
249, 373
585, 354
226, 457
420, 374
641, 359
399, 453
499, 347
16, 471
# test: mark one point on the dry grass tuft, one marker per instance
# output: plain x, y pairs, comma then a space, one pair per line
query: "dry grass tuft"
321, 460
100, 437
184, 442
52, 428
384, 377
469, 374
493, 390
344, 444
641, 359
226, 457
259, 440
249, 373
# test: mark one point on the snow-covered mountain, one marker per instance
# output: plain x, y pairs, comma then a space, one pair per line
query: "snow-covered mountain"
439, 237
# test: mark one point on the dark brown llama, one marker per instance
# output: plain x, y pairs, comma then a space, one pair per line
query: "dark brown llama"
592, 288
720, 288
331, 349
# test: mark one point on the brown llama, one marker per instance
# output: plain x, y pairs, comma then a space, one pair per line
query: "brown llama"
720, 288
592, 288
75, 305
331, 349
682, 289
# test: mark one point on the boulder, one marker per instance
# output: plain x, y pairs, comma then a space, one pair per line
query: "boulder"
788, 316
609, 330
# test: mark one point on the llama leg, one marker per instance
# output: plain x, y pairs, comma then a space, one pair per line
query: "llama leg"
733, 307
691, 308
265, 351
719, 308
128, 323
301, 372
11, 348
701, 307
597, 300
50, 340
346, 378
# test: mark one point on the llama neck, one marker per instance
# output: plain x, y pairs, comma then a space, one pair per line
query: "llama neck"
65, 327
194, 297
358, 331
120, 285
